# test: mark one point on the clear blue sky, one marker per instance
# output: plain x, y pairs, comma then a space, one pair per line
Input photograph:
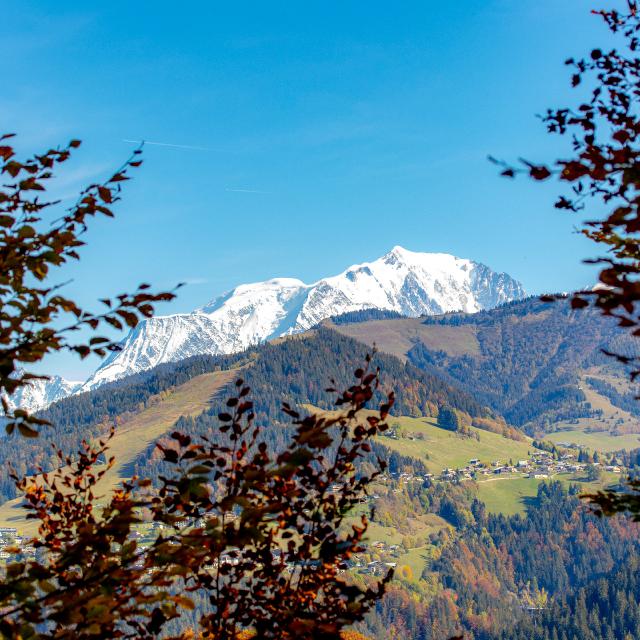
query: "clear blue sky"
326, 133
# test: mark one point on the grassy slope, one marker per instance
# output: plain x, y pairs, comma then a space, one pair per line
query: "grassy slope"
446, 449
507, 495
511, 495
602, 440
134, 435
421, 526
398, 336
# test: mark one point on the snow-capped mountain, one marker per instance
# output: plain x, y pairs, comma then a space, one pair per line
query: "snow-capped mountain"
410, 283
38, 394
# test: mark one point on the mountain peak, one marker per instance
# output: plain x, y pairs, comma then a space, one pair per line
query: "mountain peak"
398, 251
435, 260
39, 393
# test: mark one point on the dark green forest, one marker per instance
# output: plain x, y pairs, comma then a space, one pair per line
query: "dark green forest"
558, 572
532, 354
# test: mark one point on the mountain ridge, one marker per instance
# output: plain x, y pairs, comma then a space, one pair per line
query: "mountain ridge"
409, 283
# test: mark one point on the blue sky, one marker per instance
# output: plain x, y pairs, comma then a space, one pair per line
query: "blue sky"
324, 133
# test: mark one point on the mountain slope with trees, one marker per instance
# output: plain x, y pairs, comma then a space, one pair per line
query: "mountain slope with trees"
527, 360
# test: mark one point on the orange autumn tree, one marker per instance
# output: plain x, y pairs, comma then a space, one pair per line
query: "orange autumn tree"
262, 534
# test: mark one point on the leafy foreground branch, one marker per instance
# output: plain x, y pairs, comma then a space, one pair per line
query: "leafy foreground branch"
262, 535
603, 167
35, 318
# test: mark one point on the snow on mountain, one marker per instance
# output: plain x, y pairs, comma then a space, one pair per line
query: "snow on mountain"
248, 315
410, 283
38, 394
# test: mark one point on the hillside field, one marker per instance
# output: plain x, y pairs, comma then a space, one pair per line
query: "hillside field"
447, 449
502, 494
397, 337
595, 440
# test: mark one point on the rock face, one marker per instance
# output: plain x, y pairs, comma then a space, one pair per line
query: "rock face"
410, 283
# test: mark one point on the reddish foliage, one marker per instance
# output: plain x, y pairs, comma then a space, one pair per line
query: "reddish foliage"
260, 532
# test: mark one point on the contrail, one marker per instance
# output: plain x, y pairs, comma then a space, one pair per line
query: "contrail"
247, 191
167, 144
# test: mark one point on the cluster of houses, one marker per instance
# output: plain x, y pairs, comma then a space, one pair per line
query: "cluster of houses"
376, 567
13, 545
541, 464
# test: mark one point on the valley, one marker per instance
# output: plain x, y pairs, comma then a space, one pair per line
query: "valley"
461, 355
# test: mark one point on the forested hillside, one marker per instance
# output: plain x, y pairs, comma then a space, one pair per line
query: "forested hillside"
528, 360
88, 415
299, 369
558, 572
